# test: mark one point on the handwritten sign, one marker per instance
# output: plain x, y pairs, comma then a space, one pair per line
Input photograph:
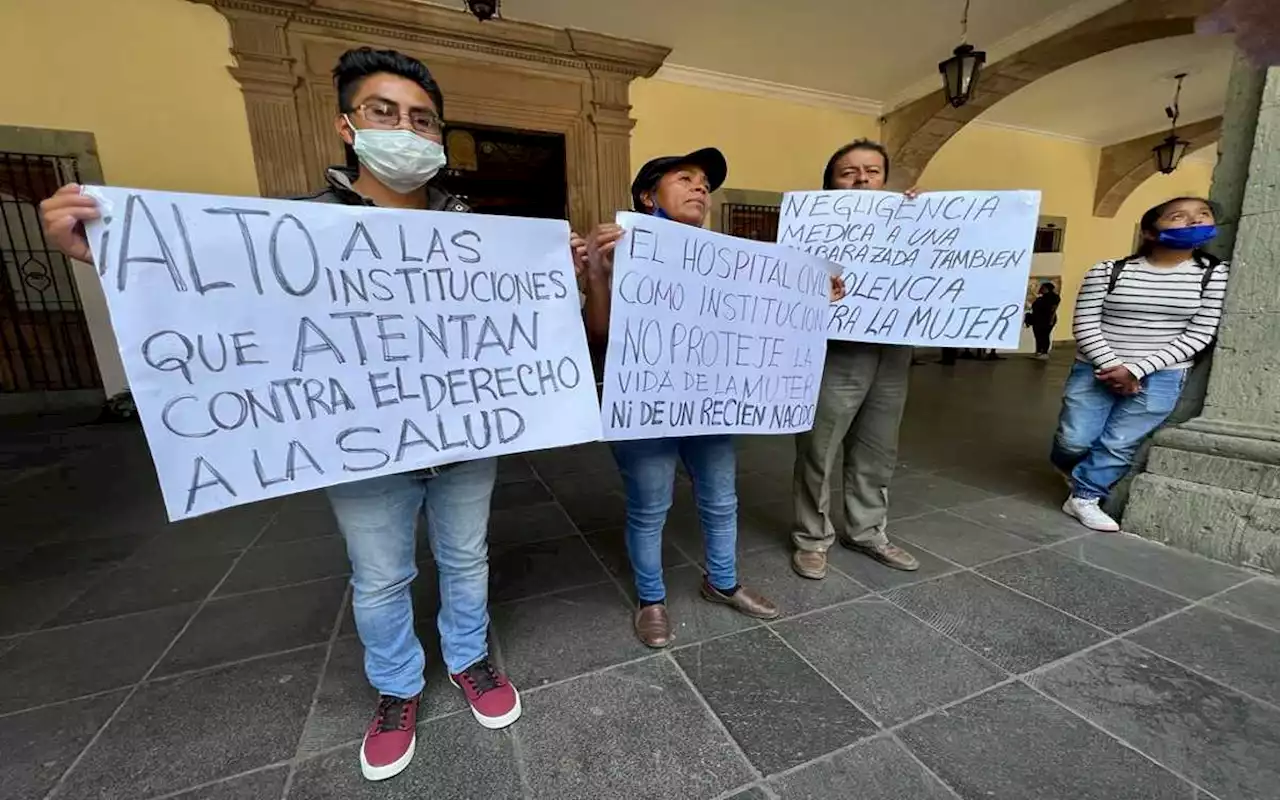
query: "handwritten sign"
947, 269
274, 346
711, 334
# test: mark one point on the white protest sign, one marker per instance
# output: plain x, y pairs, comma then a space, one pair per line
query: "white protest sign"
948, 269
711, 334
277, 346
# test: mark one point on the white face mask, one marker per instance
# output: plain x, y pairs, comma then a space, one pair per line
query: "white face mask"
402, 160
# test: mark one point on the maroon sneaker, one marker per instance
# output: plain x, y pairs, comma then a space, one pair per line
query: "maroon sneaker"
494, 701
389, 742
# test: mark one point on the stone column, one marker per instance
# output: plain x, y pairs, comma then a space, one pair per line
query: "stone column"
1212, 484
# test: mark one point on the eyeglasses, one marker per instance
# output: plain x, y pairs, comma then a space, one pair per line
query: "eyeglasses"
383, 114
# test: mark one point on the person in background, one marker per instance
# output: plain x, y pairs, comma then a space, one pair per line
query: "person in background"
390, 122
1139, 324
1041, 318
860, 405
677, 188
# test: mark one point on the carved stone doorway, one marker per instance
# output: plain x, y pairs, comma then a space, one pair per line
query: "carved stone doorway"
571, 83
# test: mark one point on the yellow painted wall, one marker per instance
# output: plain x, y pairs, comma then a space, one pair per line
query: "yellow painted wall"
1065, 172
770, 145
147, 77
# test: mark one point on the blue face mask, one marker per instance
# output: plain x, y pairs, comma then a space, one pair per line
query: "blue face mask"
1188, 238
660, 214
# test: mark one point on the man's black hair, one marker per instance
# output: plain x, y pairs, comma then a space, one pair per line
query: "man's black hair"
355, 65
829, 174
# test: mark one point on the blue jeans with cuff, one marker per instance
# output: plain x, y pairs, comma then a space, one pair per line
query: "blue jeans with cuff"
1100, 431
648, 468
379, 518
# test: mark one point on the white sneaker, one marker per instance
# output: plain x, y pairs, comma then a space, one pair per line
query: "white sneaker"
1090, 514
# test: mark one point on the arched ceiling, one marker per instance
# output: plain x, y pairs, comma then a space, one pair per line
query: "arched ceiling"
884, 54
1122, 94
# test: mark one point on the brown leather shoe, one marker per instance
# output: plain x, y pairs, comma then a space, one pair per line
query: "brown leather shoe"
811, 564
888, 554
653, 626
744, 601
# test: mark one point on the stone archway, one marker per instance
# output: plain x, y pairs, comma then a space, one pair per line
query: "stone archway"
1124, 166
507, 74
914, 132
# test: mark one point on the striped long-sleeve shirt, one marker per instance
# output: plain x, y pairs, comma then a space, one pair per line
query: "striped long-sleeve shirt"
1157, 317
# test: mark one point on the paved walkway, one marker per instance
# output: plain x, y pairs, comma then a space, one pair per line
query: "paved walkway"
215, 659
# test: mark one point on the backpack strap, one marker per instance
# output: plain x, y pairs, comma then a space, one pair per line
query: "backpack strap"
1117, 267
1208, 262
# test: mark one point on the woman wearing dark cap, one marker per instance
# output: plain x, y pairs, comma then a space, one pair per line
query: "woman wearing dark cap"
677, 188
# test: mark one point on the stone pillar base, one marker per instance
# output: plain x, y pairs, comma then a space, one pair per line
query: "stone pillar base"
1212, 487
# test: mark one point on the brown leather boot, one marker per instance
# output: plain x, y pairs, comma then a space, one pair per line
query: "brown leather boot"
744, 601
653, 626
811, 564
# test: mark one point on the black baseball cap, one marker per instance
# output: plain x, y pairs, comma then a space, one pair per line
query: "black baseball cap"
709, 159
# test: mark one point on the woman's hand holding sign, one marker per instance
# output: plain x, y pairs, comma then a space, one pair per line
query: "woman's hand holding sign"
63, 217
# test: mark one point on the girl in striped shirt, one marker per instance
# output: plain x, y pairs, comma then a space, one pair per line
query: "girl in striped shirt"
1139, 324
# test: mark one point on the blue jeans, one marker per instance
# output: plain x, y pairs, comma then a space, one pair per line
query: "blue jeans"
648, 468
378, 518
1099, 431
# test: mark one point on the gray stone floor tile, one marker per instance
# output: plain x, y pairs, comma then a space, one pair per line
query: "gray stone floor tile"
1163, 567
130, 589
519, 494
200, 728
454, 758
346, 700
877, 577
891, 665
636, 732
1015, 632
775, 706
262, 785
525, 570
1258, 600
980, 748
1103, 598
594, 510
534, 523
579, 459
771, 575
306, 518
534, 640
515, 468
39, 746
61, 559
49, 666
227, 531
611, 547
1016, 515
957, 539
934, 490
1238, 653
1221, 740
247, 625
879, 769
26, 606
752, 793
283, 564
692, 618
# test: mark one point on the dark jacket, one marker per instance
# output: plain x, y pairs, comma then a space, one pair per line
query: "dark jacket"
338, 190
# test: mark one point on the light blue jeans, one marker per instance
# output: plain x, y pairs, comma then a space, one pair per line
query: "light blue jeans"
378, 518
1099, 431
648, 468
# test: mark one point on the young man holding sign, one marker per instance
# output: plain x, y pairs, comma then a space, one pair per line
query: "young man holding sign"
390, 123
860, 405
